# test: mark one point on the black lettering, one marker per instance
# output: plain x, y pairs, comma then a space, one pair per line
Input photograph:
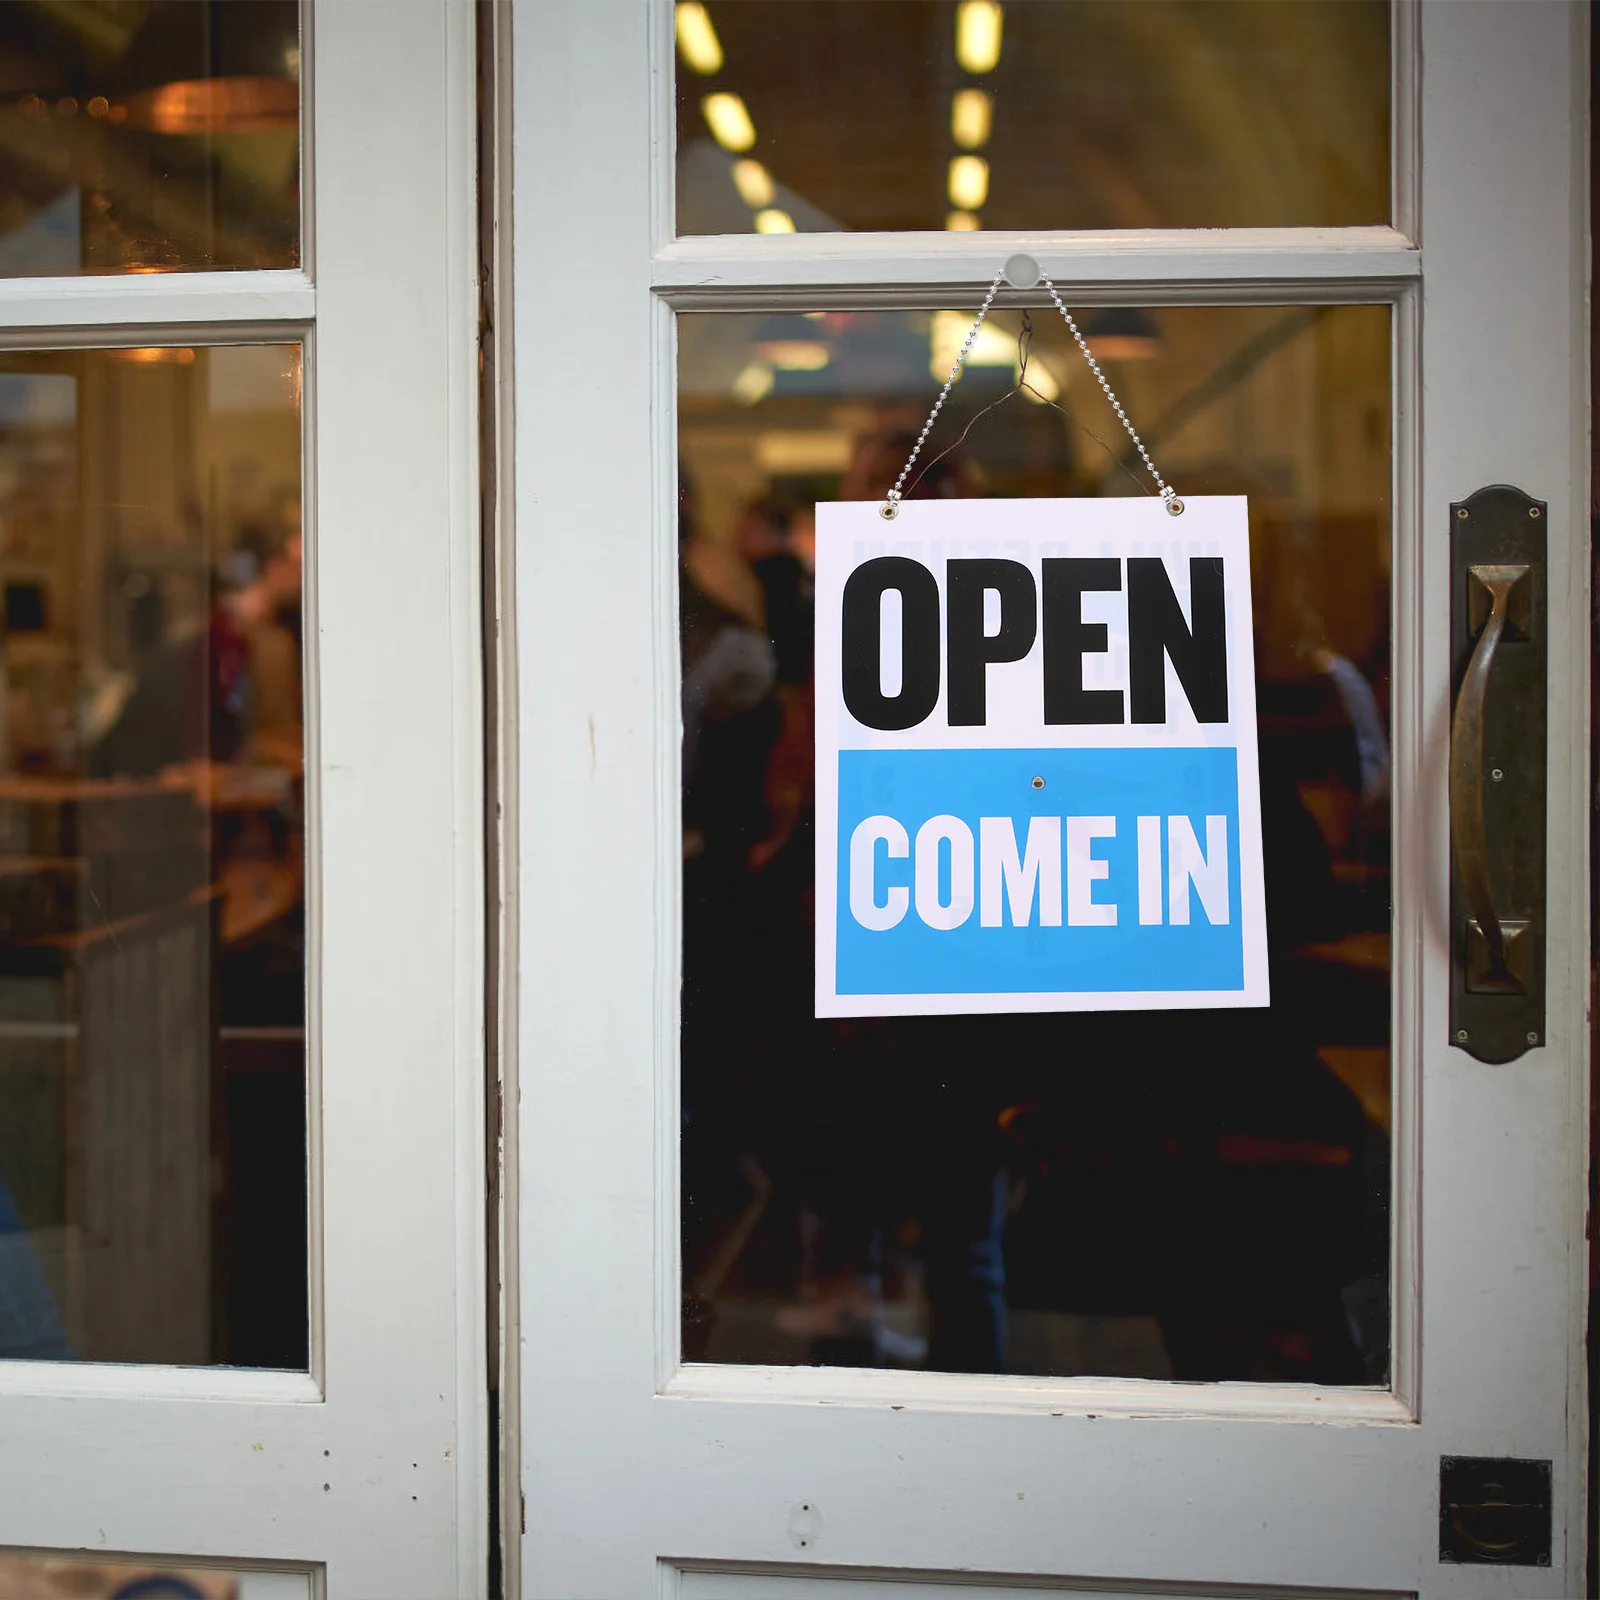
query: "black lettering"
1068, 639
969, 648
861, 629
1156, 629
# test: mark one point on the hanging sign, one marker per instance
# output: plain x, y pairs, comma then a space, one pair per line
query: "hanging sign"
1036, 758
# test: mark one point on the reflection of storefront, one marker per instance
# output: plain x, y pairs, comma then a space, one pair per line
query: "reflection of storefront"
412, 423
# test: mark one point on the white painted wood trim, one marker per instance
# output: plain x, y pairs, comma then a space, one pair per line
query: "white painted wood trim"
66, 1380
501, 550
178, 301
1254, 265
784, 1580
1405, 118
1092, 1398
461, 449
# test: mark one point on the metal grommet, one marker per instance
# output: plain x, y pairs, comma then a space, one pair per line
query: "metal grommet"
1461, 1035
1533, 511
1174, 507
888, 511
1461, 512
1532, 1038
1038, 783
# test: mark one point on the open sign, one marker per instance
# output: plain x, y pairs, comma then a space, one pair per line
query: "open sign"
1036, 765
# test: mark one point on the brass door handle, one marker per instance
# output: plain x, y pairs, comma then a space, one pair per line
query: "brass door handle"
1468, 831
1499, 656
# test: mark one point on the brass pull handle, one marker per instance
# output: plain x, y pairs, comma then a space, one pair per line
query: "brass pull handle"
1467, 830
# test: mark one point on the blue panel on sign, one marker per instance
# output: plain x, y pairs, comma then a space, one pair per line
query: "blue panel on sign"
959, 874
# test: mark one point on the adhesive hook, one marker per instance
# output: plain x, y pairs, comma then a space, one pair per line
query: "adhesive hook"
1022, 272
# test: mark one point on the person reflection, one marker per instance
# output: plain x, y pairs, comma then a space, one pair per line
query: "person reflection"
895, 1147
224, 691
731, 720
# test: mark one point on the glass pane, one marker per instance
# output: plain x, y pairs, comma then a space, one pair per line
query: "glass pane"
67, 1575
152, 966
149, 135
1199, 1195
897, 114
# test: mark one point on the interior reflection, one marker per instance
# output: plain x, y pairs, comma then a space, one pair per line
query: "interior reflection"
149, 135
972, 114
1185, 1195
152, 1068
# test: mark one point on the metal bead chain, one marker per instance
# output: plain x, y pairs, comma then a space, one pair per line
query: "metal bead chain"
890, 508
1169, 495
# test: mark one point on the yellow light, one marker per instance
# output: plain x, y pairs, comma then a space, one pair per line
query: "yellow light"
729, 122
978, 34
753, 383
794, 355
962, 222
971, 112
1041, 385
805, 450
774, 221
157, 355
969, 182
753, 182
947, 332
697, 39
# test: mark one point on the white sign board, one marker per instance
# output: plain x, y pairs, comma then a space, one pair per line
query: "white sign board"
1037, 786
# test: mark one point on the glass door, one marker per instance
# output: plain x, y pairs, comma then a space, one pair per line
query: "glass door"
1138, 1299
240, 999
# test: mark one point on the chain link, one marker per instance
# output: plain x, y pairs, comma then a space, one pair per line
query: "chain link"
890, 508
891, 501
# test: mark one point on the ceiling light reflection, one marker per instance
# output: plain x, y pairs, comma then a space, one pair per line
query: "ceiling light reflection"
962, 222
753, 383
729, 122
971, 113
774, 221
969, 182
794, 355
754, 183
156, 355
697, 39
947, 332
978, 24
1041, 385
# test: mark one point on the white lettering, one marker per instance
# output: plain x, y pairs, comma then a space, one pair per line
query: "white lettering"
1084, 871
999, 864
1208, 873
864, 905
935, 912
1149, 871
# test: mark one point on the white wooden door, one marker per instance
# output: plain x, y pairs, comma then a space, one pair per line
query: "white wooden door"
363, 1473
646, 1474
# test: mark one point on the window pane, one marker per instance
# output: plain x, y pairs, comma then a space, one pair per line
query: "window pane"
65, 1575
152, 969
149, 136
1194, 1196
918, 114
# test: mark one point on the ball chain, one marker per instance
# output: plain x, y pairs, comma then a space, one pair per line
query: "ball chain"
890, 508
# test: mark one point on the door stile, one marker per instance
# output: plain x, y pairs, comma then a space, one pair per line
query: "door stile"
1503, 401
